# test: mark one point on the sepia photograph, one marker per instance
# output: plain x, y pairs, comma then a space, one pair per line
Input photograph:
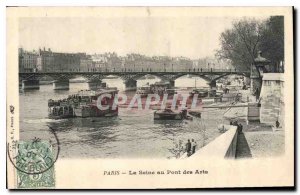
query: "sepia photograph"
147, 83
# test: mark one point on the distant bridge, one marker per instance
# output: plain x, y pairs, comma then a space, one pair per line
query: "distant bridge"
130, 76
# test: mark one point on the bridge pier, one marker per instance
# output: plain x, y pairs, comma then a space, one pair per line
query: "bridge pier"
61, 85
172, 83
213, 88
95, 84
30, 84
130, 85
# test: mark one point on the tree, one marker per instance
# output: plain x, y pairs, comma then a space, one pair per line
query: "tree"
241, 43
272, 42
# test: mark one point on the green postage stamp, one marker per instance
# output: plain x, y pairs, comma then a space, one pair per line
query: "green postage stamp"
34, 163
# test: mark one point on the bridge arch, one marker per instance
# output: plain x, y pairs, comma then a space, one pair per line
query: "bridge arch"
229, 74
177, 76
125, 76
137, 77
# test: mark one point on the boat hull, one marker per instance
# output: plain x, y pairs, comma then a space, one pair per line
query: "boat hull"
90, 112
56, 117
60, 112
177, 116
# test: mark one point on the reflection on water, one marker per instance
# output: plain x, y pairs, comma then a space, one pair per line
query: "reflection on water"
133, 134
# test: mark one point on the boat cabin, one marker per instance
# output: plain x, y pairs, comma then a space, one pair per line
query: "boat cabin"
162, 88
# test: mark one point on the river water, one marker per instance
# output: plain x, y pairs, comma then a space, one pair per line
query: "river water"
133, 134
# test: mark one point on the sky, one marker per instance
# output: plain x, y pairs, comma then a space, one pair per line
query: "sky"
192, 37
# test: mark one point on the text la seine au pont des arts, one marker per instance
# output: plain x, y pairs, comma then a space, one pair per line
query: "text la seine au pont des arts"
163, 172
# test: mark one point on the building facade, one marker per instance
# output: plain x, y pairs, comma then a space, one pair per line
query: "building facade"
49, 61
139, 62
106, 62
86, 63
27, 61
99, 61
211, 63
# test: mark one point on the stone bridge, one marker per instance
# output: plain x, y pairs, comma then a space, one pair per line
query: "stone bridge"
130, 77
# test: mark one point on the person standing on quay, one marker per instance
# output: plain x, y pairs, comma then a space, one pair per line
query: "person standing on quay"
241, 128
188, 148
194, 145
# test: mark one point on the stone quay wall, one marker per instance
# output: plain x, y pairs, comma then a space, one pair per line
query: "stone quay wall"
272, 99
222, 147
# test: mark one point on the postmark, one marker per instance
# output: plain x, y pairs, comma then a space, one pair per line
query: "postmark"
36, 159
34, 162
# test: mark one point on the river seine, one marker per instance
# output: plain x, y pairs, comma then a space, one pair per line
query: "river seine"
133, 134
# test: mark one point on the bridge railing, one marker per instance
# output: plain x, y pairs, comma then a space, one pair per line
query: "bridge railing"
137, 70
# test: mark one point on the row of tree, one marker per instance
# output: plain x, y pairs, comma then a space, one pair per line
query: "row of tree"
241, 44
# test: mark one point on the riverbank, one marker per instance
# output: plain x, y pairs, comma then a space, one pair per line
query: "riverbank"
265, 142
259, 139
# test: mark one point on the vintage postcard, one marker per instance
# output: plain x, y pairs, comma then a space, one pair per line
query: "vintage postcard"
150, 97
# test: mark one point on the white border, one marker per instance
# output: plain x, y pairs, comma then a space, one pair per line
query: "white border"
4, 3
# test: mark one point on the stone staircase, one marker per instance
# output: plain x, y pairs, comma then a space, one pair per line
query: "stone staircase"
242, 148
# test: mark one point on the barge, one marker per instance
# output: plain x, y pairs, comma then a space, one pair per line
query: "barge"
169, 114
202, 93
162, 88
159, 88
144, 90
84, 104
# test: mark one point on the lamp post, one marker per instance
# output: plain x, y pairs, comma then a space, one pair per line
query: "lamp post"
257, 72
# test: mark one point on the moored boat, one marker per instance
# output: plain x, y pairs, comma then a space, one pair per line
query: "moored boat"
159, 88
195, 113
143, 91
60, 112
168, 114
162, 88
202, 93
84, 104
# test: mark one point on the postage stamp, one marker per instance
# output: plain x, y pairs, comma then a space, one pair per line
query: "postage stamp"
34, 163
